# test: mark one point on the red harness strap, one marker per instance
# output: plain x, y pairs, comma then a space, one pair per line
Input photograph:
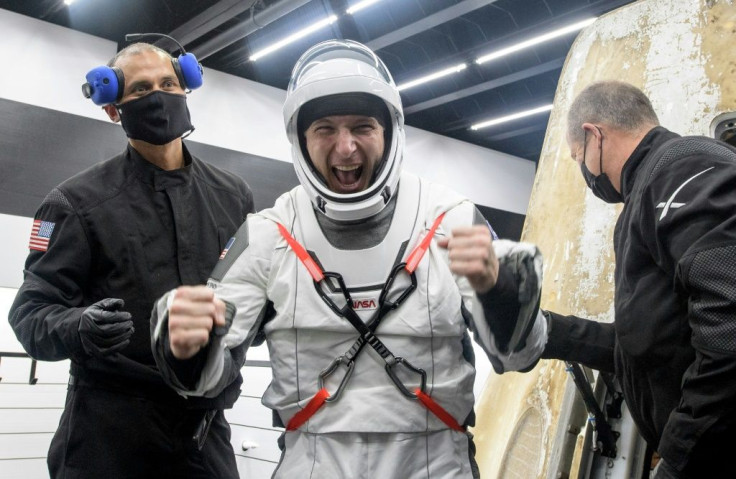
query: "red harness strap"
314, 270
416, 256
438, 410
318, 400
312, 407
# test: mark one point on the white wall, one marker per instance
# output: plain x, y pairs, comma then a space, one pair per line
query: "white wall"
44, 65
28, 414
487, 177
13, 249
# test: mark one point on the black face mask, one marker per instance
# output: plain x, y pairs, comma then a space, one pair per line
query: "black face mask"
600, 185
157, 118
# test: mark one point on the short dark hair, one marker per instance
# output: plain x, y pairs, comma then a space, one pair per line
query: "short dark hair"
135, 49
615, 103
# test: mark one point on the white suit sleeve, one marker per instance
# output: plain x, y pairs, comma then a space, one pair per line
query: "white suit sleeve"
509, 314
508, 320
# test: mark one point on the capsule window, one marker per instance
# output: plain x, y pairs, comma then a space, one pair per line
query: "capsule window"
723, 127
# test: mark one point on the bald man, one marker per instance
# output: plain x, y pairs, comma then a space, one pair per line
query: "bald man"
105, 245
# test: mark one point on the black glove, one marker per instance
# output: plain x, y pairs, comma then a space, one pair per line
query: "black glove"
104, 329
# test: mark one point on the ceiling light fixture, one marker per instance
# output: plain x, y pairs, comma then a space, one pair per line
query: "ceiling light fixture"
360, 6
535, 41
68, 2
515, 116
433, 76
292, 38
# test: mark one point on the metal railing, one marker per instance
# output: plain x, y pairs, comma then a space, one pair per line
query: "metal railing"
32, 379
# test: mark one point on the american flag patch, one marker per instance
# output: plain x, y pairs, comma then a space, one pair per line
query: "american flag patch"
40, 235
227, 247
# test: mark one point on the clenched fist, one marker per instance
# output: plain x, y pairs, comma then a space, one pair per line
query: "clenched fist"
471, 255
193, 313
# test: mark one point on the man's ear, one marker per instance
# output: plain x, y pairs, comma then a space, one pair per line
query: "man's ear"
112, 112
593, 131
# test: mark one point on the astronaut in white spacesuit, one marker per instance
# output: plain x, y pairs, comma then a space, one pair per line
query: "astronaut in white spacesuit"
347, 278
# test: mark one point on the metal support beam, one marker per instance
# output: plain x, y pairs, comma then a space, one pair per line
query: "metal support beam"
485, 86
210, 19
426, 23
593, 9
251, 25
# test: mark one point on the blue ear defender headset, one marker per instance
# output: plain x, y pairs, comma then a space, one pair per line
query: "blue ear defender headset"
105, 84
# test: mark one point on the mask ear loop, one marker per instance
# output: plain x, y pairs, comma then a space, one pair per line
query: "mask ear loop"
188, 133
600, 151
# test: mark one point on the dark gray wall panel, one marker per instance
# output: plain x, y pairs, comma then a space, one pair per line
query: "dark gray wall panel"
506, 224
40, 148
267, 178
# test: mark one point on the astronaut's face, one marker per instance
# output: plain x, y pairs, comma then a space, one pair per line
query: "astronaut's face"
345, 149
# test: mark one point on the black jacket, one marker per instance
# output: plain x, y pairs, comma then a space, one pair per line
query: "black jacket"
123, 229
673, 341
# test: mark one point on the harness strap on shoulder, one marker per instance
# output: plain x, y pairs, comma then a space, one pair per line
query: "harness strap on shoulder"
416, 256
312, 267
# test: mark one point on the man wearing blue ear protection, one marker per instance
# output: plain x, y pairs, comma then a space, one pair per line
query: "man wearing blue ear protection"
108, 242
153, 106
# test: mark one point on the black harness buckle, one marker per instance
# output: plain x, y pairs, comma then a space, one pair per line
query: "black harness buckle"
399, 361
329, 370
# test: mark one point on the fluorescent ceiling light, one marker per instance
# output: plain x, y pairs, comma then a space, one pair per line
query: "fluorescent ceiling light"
535, 41
360, 6
292, 38
433, 76
515, 116
68, 2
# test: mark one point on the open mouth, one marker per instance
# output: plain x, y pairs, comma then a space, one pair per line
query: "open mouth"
348, 177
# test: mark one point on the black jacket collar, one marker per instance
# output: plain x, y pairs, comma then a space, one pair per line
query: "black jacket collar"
153, 175
655, 138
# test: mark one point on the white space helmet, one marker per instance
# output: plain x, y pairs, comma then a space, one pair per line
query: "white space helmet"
339, 67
